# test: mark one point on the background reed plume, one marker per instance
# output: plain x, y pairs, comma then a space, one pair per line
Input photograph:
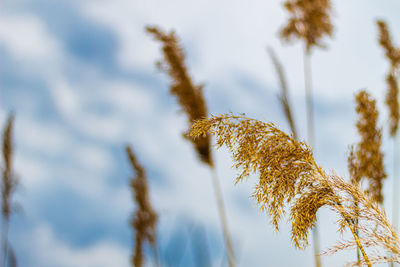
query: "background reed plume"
9, 183
309, 21
290, 177
145, 218
190, 98
366, 158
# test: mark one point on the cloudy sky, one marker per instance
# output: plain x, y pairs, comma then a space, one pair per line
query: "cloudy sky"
81, 78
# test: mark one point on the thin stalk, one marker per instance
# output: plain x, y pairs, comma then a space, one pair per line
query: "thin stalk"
222, 215
5, 240
352, 228
311, 137
359, 244
395, 205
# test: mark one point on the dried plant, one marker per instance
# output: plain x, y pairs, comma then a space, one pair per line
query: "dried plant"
366, 158
289, 176
284, 95
392, 102
385, 40
309, 21
190, 96
145, 218
9, 182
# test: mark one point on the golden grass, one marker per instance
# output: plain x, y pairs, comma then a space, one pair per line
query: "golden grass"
366, 158
145, 218
190, 96
9, 182
309, 21
290, 178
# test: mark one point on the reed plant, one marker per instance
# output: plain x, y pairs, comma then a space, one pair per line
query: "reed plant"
144, 220
365, 160
190, 98
8, 185
289, 178
393, 55
284, 92
309, 22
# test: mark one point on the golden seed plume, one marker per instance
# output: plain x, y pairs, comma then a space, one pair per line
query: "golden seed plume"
393, 55
9, 182
190, 96
145, 218
309, 21
289, 176
284, 95
385, 40
392, 102
366, 158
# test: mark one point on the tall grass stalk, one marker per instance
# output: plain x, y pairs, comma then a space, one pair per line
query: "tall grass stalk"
395, 197
311, 136
222, 215
190, 98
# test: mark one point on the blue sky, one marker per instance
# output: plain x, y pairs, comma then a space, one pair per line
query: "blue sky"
81, 78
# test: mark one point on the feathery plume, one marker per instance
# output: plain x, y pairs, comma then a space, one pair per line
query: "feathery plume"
190, 96
9, 183
145, 218
392, 102
385, 40
310, 21
284, 95
366, 159
289, 176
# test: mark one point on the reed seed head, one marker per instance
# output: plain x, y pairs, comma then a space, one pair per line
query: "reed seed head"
145, 218
289, 176
309, 21
392, 102
190, 96
366, 158
385, 40
9, 181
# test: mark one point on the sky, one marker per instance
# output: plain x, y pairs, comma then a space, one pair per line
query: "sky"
82, 81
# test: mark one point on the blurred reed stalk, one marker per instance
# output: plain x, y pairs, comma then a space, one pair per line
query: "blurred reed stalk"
309, 22
284, 91
190, 98
144, 220
9, 183
365, 161
392, 53
290, 178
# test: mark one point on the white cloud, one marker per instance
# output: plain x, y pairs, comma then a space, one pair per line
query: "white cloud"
47, 250
27, 38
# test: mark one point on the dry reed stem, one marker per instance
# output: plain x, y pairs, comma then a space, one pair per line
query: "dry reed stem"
190, 96
284, 94
290, 177
9, 182
309, 21
145, 218
392, 53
